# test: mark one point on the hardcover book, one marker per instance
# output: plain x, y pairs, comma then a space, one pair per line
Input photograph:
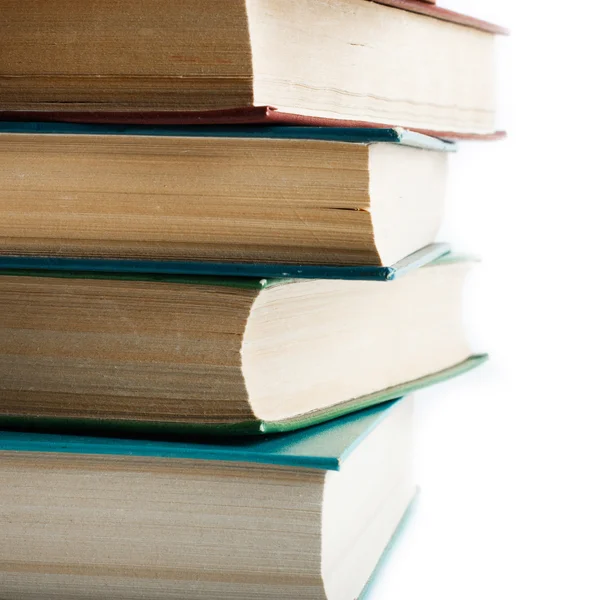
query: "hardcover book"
225, 200
397, 62
12, 263
303, 515
151, 353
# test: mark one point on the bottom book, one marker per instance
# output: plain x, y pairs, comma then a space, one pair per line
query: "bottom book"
303, 515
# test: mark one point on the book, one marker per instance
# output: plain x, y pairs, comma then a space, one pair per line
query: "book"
260, 270
396, 62
219, 195
281, 517
187, 355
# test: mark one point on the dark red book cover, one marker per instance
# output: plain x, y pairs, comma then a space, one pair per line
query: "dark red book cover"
424, 7
253, 115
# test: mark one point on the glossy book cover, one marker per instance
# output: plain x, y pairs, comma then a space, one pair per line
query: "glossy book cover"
324, 446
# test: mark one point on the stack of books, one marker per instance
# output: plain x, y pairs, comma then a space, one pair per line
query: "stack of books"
220, 283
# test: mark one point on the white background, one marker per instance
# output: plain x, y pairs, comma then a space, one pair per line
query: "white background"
508, 457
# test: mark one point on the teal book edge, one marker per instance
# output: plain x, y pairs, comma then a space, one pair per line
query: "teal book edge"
245, 428
367, 593
352, 135
102, 266
325, 446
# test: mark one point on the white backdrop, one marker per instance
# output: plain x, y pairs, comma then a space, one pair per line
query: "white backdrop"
508, 457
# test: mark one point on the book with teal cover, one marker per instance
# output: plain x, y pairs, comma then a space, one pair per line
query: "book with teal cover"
325, 446
196, 268
353, 135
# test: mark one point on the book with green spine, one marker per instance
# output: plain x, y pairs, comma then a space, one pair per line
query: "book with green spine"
311, 202
150, 353
268, 518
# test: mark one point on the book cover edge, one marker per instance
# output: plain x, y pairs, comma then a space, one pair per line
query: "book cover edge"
247, 275
243, 115
395, 539
351, 135
318, 447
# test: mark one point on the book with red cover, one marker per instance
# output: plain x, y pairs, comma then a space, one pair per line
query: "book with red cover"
253, 115
81, 77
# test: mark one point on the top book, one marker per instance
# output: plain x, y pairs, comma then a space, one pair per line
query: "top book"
395, 62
